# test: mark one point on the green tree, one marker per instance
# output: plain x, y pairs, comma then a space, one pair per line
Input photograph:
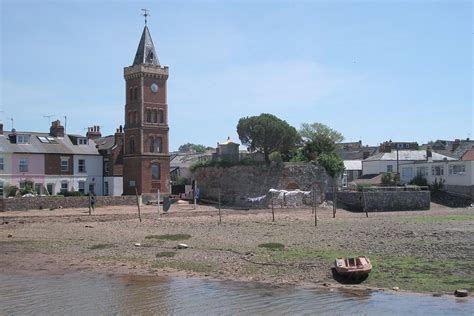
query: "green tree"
193, 147
267, 133
332, 163
318, 138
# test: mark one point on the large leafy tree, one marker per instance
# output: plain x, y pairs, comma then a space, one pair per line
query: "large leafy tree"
267, 133
318, 138
193, 147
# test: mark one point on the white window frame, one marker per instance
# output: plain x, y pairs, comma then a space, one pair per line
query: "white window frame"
22, 139
83, 185
83, 166
389, 168
23, 165
437, 170
64, 189
452, 170
423, 171
64, 168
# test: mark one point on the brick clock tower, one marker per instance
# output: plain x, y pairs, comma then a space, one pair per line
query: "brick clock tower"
146, 160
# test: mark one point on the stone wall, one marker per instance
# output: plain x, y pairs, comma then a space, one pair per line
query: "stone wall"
384, 200
464, 190
53, 202
238, 183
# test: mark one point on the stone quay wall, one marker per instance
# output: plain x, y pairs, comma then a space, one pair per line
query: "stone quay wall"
380, 201
54, 202
239, 183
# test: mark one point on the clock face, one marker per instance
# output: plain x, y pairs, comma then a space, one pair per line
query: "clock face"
154, 88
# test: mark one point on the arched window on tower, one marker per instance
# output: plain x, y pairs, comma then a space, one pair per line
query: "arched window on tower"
148, 116
136, 116
131, 150
159, 147
150, 144
155, 171
161, 118
154, 116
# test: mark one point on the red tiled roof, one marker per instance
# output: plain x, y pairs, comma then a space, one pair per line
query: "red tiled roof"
468, 155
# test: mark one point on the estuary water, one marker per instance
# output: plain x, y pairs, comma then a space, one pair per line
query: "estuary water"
92, 294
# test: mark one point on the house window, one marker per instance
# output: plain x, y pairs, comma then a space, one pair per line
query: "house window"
407, 173
50, 188
82, 186
158, 145
64, 186
81, 165
38, 188
399, 145
82, 141
389, 168
149, 144
437, 170
2, 166
155, 171
422, 171
64, 164
23, 165
106, 188
407, 145
457, 169
1, 189
22, 139
132, 146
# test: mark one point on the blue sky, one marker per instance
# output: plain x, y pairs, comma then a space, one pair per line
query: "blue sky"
373, 70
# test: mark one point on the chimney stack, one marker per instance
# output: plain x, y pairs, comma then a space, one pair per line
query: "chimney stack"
456, 144
93, 132
429, 154
56, 129
118, 137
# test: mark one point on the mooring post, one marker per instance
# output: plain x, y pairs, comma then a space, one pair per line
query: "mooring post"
219, 199
273, 210
365, 203
315, 212
138, 205
194, 192
90, 203
158, 202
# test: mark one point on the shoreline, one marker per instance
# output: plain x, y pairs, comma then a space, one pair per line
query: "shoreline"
68, 241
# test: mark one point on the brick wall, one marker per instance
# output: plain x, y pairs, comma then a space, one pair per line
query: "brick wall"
48, 202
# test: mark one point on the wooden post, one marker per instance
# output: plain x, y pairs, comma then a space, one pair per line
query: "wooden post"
315, 212
194, 192
90, 204
273, 210
333, 202
138, 205
365, 203
158, 203
219, 198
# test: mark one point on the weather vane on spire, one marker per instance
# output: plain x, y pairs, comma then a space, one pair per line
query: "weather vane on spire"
145, 13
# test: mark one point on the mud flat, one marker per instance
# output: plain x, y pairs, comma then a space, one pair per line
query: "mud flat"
420, 251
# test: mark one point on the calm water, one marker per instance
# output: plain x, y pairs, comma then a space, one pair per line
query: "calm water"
90, 294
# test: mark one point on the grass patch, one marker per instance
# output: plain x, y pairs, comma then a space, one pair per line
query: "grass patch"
174, 237
166, 254
100, 246
429, 219
194, 266
272, 246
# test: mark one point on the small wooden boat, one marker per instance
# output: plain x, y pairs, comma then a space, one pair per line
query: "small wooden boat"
353, 267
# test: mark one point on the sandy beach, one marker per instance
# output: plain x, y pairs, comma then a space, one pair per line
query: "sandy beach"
419, 251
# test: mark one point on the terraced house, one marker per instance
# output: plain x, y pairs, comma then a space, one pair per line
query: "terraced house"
54, 162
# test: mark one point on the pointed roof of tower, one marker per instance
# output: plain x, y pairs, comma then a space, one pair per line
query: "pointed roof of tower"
146, 53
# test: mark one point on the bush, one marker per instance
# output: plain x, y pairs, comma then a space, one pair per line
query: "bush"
182, 180
28, 188
275, 157
72, 193
437, 185
10, 190
419, 180
390, 179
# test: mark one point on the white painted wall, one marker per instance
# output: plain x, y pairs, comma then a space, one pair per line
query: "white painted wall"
115, 185
465, 179
92, 175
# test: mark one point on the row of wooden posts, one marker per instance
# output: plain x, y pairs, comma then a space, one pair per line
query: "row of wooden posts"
313, 205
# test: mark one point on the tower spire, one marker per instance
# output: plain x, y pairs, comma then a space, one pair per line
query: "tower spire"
145, 14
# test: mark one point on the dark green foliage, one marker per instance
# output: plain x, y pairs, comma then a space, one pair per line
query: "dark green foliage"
419, 180
272, 246
224, 163
332, 163
318, 139
193, 147
275, 157
71, 193
11, 190
390, 178
182, 180
437, 185
267, 133
28, 188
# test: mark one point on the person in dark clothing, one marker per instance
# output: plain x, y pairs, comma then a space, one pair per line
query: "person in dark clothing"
93, 201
